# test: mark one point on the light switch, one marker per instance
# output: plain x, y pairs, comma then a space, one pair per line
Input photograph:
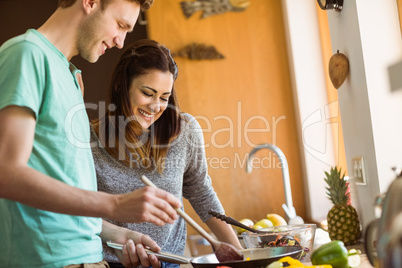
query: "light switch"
359, 175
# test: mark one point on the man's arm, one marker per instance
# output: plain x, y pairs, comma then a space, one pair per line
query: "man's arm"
19, 182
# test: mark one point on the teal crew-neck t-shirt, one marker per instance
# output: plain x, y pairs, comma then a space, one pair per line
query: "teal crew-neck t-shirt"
34, 74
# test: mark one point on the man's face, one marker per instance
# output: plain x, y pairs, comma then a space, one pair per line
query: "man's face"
104, 29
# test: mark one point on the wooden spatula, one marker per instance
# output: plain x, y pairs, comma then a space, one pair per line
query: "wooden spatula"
224, 252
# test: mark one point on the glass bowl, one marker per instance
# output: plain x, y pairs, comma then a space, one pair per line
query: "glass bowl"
284, 235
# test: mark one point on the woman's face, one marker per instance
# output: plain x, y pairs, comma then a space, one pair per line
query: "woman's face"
149, 95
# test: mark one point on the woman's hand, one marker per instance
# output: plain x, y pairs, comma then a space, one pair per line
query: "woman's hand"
133, 253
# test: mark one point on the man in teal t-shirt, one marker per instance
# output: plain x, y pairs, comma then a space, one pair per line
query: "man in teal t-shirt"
49, 205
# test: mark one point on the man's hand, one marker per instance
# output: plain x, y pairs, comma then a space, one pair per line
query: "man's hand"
147, 204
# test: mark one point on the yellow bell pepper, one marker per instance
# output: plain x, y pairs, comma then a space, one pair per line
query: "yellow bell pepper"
293, 263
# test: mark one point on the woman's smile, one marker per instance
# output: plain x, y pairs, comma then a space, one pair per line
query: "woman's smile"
147, 116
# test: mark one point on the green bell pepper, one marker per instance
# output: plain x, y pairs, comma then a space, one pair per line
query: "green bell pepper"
333, 253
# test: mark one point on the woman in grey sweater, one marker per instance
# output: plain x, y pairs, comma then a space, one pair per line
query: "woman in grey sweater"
143, 132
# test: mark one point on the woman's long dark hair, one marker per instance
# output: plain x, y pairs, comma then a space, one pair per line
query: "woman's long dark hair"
117, 129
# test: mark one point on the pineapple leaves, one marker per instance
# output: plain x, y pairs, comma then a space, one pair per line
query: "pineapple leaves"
337, 189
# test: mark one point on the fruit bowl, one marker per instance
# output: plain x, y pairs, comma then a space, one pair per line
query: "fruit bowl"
284, 235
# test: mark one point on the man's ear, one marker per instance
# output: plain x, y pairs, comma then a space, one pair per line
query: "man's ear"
90, 5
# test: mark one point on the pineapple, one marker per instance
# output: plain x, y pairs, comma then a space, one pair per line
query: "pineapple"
343, 221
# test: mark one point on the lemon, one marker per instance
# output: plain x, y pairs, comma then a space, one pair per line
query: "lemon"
264, 223
276, 219
246, 222
257, 227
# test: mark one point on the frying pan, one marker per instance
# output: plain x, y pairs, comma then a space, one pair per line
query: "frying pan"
253, 258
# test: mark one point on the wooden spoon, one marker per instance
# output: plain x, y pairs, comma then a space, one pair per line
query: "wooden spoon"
224, 252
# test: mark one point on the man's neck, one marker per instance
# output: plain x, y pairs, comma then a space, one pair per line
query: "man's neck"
61, 30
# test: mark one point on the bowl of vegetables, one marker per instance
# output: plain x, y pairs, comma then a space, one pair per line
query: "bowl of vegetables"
301, 235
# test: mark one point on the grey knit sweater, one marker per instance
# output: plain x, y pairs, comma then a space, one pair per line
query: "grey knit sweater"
185, 175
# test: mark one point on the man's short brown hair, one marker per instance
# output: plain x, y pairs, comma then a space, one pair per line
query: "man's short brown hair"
145, 4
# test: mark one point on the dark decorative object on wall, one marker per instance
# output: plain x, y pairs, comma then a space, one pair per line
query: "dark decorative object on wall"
336, 5
213, 7
198, 52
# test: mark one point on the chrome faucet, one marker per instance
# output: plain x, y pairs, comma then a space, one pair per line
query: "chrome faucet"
288, 207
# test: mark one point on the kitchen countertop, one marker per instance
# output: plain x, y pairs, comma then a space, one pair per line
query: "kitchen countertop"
321, 238
364, 261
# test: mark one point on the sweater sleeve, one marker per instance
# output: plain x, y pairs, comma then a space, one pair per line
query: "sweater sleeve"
197, 184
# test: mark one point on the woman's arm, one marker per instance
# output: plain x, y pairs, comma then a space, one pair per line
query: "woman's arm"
224, 232
197, 185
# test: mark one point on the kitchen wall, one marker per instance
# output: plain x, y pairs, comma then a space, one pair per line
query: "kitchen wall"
318, 119
240, 101
368, 33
